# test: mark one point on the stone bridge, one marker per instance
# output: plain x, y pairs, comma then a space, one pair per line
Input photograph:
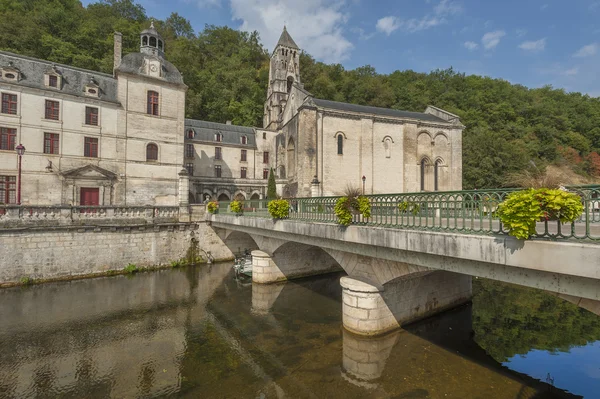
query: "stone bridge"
397, 276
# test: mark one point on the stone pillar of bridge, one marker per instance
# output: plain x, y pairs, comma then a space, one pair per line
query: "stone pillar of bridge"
264, 269
372, 309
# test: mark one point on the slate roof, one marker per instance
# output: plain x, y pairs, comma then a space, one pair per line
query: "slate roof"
133, 63
205, 131
286, 40
376, 110
74, 79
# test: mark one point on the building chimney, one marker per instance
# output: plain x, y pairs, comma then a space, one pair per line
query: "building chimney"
118, 50
228, 123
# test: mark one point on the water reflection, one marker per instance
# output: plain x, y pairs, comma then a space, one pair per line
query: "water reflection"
198, 332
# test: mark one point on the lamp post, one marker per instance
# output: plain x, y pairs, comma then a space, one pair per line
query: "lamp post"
364, 179
20, 151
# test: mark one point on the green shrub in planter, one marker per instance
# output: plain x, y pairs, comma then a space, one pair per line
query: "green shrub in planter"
237, 207
279, 208
345, 207
521, 210
212, 207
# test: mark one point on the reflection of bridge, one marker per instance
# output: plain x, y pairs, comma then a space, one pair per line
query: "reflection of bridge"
397, 274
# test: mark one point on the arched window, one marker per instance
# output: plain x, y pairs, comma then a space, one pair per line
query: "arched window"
190, 134
160, 45
144, 40
340, 144
151, 152
423, 166
219, 137
152, 41
290, 82
436, 174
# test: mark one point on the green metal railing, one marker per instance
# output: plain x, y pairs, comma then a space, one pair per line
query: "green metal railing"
472, 212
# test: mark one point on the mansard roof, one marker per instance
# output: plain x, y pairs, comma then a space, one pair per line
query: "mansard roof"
376, 110
205, 131
74, 80
134, 62
286, 40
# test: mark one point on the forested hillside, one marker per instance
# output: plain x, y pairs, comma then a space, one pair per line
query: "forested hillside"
508, 126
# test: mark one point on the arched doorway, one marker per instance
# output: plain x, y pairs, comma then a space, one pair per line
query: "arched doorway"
254, 201
223, 197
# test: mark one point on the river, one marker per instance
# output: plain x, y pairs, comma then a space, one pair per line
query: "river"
199, 333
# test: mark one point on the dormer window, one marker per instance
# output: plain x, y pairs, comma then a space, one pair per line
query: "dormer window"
191, 134
53, 78
244, 140
10, 72
218, 137
92, 89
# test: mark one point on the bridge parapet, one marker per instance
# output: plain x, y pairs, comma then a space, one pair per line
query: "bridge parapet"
466, 212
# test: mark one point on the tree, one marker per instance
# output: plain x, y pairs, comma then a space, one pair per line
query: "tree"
271, 188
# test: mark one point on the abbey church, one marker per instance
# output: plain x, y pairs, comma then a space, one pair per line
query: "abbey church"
123, 139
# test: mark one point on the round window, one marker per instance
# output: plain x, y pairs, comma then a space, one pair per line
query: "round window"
9, 75
92, 91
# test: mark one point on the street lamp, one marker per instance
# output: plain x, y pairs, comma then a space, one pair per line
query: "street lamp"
364, 179
20, 151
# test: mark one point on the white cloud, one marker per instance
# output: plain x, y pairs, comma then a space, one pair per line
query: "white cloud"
535, 46
571, 72
441, 10
387, 24
586, 51
205, 3
471, 45
521, 32
317, 26
447, 7
491, 39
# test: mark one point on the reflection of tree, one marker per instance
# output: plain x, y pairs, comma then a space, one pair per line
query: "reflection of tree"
510, 320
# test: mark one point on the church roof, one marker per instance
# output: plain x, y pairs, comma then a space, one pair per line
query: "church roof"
205, 131
376, 110
286, 40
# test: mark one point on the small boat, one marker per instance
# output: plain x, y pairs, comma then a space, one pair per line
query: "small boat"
243, 264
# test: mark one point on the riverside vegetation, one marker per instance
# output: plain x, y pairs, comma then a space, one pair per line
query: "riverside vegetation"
508, 125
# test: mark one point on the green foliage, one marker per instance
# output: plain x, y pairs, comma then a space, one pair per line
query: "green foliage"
237, 207
279, 208
131, 268
342, 211
521, 210
26, 280
409, 207
510, 320
345, 207
212, 207
179, 263
271, 187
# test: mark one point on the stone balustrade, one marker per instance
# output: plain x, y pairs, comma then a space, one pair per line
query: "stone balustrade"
53, 216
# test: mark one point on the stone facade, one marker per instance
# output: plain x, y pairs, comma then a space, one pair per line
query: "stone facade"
91, 134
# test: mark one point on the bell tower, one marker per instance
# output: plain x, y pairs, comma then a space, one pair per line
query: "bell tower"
284, 72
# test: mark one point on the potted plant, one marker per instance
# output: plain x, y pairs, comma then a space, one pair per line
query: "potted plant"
521, 210
406, 207
279, 208
353, 203
237, 207
212, 207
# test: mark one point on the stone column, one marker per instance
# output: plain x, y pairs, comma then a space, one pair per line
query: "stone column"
372, 309
184, 196
264, 270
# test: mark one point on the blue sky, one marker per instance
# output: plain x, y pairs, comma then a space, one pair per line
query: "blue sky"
531, 42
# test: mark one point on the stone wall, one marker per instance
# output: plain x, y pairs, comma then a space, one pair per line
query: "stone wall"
64, 252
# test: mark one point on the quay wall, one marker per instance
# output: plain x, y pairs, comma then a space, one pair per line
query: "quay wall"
64, 252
